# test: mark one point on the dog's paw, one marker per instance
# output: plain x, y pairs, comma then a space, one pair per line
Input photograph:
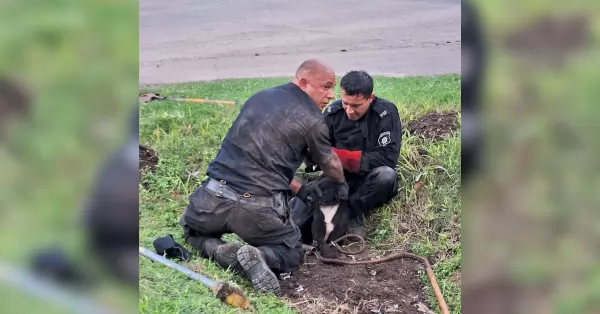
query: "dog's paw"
328, 251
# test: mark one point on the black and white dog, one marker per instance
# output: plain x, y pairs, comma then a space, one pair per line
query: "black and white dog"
330, 220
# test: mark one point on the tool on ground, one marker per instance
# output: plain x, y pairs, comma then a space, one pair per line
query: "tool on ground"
222, 290
436, 289
148, 97
48, 291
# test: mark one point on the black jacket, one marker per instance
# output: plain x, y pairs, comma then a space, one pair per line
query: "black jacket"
378, 134
269, 140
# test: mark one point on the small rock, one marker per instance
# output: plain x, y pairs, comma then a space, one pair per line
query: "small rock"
194, 174
300, 289
373, 273
285, 276
413, 296
423, 308
343, 50
256, 55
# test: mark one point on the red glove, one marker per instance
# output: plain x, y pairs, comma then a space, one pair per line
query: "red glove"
350, 159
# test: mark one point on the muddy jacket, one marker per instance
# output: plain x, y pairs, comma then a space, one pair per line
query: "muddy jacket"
269, 140
378, 134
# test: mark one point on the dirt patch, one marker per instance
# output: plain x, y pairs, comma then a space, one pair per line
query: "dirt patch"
552, 40
148, 158
434, 125
391, 287
14, 103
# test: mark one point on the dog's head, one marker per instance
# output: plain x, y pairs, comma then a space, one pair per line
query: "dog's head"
329, 189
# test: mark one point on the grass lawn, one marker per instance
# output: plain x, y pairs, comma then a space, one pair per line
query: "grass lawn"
187, 136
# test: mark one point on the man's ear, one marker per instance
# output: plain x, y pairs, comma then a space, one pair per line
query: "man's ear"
370, 99
303, 83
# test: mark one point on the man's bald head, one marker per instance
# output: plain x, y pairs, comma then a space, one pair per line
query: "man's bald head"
314, 67
317, 79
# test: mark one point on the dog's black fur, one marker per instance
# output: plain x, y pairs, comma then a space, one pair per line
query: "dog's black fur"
315, 229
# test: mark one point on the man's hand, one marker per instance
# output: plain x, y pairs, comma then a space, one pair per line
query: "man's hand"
309, 192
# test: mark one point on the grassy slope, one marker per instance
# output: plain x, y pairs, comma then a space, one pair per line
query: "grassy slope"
187, 136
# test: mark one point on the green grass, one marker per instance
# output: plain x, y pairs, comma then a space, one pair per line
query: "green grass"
78, 62
187, 136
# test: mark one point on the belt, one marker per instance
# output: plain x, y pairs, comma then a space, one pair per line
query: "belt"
220, 188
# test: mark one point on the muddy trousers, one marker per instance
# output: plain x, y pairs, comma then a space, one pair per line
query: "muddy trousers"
366, 194
263, 222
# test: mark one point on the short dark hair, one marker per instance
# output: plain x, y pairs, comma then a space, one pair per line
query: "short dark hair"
357, 83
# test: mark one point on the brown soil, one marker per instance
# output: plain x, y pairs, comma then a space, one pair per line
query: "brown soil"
148, 158
551, 40
434, 125
391, 287
14, 103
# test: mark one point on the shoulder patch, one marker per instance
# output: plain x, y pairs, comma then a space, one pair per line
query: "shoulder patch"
383, 107
384, 138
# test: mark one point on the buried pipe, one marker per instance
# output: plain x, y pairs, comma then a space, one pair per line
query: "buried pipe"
221, 290
436, 288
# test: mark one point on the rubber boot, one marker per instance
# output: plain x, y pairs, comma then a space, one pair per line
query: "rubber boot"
224, 254
253, 261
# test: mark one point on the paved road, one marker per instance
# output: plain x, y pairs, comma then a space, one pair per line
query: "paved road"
192, 40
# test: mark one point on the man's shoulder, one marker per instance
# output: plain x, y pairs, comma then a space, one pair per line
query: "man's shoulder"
385, 108
333, 108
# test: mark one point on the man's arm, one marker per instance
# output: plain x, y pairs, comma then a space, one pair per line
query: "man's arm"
318, 143
332, 167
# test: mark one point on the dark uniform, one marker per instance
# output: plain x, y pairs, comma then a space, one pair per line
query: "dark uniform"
378, 135
248, 188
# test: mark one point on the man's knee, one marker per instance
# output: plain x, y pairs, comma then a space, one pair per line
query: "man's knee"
385, 177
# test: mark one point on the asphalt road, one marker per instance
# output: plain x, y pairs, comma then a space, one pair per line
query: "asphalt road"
191, 40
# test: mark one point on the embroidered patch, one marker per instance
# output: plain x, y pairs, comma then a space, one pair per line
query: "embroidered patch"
384, 138
383, 114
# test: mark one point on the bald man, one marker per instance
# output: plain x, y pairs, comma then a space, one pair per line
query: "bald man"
252, 179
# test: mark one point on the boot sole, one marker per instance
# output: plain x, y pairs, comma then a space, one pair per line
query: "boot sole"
263, 279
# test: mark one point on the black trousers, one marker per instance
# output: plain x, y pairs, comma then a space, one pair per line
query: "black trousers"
263, 222
366, 193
